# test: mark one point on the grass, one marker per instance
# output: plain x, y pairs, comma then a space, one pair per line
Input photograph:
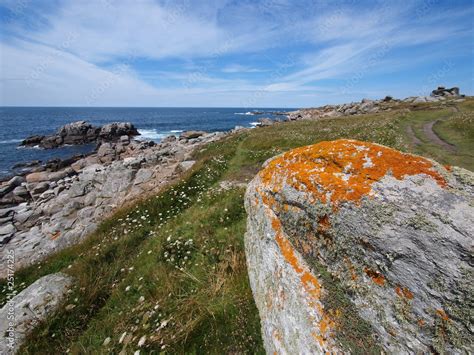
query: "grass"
169, 272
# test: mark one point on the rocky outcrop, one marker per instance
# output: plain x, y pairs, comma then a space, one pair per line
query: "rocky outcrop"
113, 131
265, 122
82, 132
442, 91
356, 247
50, 210
31, 306
191, 134
367, 106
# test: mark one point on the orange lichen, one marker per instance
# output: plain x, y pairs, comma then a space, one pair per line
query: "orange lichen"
326, 323
342, 170
376, 276
421, 322
277, 335
55, 235
286, 247
309, 282
318, 338
324, 223
442, 314
448, 167
404, 292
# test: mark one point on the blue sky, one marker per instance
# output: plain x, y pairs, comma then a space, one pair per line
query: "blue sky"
269, 53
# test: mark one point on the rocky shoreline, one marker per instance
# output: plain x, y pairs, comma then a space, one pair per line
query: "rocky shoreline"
367, 106
58, 205
50, 207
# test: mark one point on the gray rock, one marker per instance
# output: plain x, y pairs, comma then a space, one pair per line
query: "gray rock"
125, 140
115, 130
106, 153
4, 220
71, 207
185, 165
143, 175
133, 162
346, 235
6, 189
86, 212
23, 216
7, 211
39, 188
443, 92
7, 229
265, 122
16, 181
169, 139
37, 177
30, 307
192, 134
5, 239
78, 189
419, 99
82, 132
21, 191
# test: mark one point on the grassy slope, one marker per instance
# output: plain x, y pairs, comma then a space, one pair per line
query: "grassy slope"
141, 274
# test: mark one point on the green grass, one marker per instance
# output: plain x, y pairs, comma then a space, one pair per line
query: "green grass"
139, 271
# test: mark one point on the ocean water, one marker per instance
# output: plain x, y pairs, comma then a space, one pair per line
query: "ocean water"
17, 123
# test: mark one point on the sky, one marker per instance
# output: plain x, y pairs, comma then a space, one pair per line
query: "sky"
222, 53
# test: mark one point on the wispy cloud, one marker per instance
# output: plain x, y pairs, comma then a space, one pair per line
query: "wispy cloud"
238, 68
111, 52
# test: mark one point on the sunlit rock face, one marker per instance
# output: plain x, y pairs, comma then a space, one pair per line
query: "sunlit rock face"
23, 312
352, 245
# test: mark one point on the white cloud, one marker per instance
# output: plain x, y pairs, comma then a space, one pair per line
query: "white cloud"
89, 52
34, 74
106, 30
238, 68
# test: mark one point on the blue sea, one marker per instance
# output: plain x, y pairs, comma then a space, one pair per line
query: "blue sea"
17, 123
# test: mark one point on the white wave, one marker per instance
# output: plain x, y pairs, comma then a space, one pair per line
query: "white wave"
29, 147
154, 135
9, 141
150, 134
244, 113
254, 124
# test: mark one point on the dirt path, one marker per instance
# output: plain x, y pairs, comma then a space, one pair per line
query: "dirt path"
433, 137
412, 136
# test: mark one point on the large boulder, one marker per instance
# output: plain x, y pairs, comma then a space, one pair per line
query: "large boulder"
265, 122
29, 308
114, 131
79, 132
442, 91
192, 134
356, 247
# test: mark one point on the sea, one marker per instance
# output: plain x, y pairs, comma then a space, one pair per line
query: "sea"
17, 123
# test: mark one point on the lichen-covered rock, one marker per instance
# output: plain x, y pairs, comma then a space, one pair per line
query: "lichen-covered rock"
356, 246
30, 307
